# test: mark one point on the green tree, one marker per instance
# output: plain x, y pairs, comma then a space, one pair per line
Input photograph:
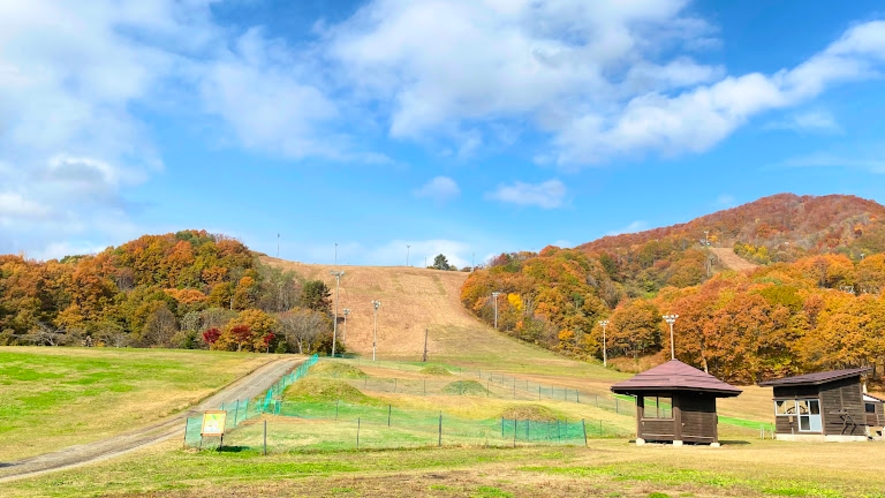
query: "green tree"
316, 295
441, 263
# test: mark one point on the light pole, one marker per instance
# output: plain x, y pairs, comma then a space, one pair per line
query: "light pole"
336, 254
337, 275
671, 319
706, 242
376, 305
495, 297
278, 245
408, 247
344, 334
604, 324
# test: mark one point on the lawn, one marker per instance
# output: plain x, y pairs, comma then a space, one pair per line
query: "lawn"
52, 398
606, 468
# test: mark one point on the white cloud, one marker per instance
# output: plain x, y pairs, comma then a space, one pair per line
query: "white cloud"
725, 201
636, 226
15, 206
441, 188
546, 195
814, 121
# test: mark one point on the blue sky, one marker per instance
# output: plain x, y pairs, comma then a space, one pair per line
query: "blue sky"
454, 126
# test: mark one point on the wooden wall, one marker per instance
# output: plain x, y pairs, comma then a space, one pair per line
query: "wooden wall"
843, 394
699, 419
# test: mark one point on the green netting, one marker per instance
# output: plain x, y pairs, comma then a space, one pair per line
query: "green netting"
242, 410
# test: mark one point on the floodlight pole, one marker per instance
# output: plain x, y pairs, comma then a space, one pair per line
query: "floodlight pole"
671, 319
495, 297
408, 248
344, 334
278, 245
604, 324
336, 255
337, 275
376, 305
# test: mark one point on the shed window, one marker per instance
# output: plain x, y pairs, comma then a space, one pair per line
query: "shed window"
808, 411
869, 407
658, 407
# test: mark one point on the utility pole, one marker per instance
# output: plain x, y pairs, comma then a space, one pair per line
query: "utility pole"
495, 297
473, 263
671, 319
278, 245
376, 305
336, 254
337, 275
344, 334
604, 324
424, 359
408, 247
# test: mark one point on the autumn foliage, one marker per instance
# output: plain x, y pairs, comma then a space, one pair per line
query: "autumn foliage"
816, 303
190, 289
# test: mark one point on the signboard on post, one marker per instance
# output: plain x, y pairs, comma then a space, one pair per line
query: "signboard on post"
213, 423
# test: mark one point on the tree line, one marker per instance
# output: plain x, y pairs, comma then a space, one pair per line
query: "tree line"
818, 312
190, 289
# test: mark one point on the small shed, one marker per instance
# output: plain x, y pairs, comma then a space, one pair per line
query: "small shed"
874, 410
676, 403
823, 406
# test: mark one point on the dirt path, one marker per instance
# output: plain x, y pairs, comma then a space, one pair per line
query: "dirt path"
249, 386
731, 260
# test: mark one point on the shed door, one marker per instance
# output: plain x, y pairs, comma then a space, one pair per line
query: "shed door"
809, 415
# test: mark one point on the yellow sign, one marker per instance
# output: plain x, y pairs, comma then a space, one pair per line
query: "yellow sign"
213, 423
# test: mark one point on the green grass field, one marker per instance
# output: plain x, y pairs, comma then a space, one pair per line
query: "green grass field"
52, 398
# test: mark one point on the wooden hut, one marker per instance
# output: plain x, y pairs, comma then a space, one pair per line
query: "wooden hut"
824, 406
874, 409
676, 403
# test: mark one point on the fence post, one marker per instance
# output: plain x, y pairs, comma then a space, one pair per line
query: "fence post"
357, 433
578, 396
265, 438
439, 441
184, 444
514, 433
584, 428
388, 415
528, 429
236, 413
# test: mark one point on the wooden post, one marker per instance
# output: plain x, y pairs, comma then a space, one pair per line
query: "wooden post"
584, 428
425, 345
236, 412
578, 396
640, 413
184, 443
265, 438
514, 433
677, 417
388, 415
439, 442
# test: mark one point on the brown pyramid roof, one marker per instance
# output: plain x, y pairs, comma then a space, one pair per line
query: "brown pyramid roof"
675, 376
818, 378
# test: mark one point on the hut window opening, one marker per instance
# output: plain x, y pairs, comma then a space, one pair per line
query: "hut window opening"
807, 410
869, 407
658, 407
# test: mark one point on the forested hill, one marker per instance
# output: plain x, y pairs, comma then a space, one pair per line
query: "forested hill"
190, 289
815, 303
786, 226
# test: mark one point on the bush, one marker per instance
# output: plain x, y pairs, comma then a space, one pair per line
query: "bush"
435, 370
466, 387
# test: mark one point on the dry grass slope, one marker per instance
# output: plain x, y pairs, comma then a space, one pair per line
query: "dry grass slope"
412, 299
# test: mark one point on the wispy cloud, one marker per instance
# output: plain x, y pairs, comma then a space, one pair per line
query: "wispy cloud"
545, 195
636, 226
725, 201
812, 121
828, 160
441, 188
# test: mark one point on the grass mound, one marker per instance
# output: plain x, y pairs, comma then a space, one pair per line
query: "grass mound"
435, 370
535, 413
337, 370
320, 389
466, 387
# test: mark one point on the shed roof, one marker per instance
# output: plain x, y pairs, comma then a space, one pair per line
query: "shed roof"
872, 399
675, 376
814, 379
